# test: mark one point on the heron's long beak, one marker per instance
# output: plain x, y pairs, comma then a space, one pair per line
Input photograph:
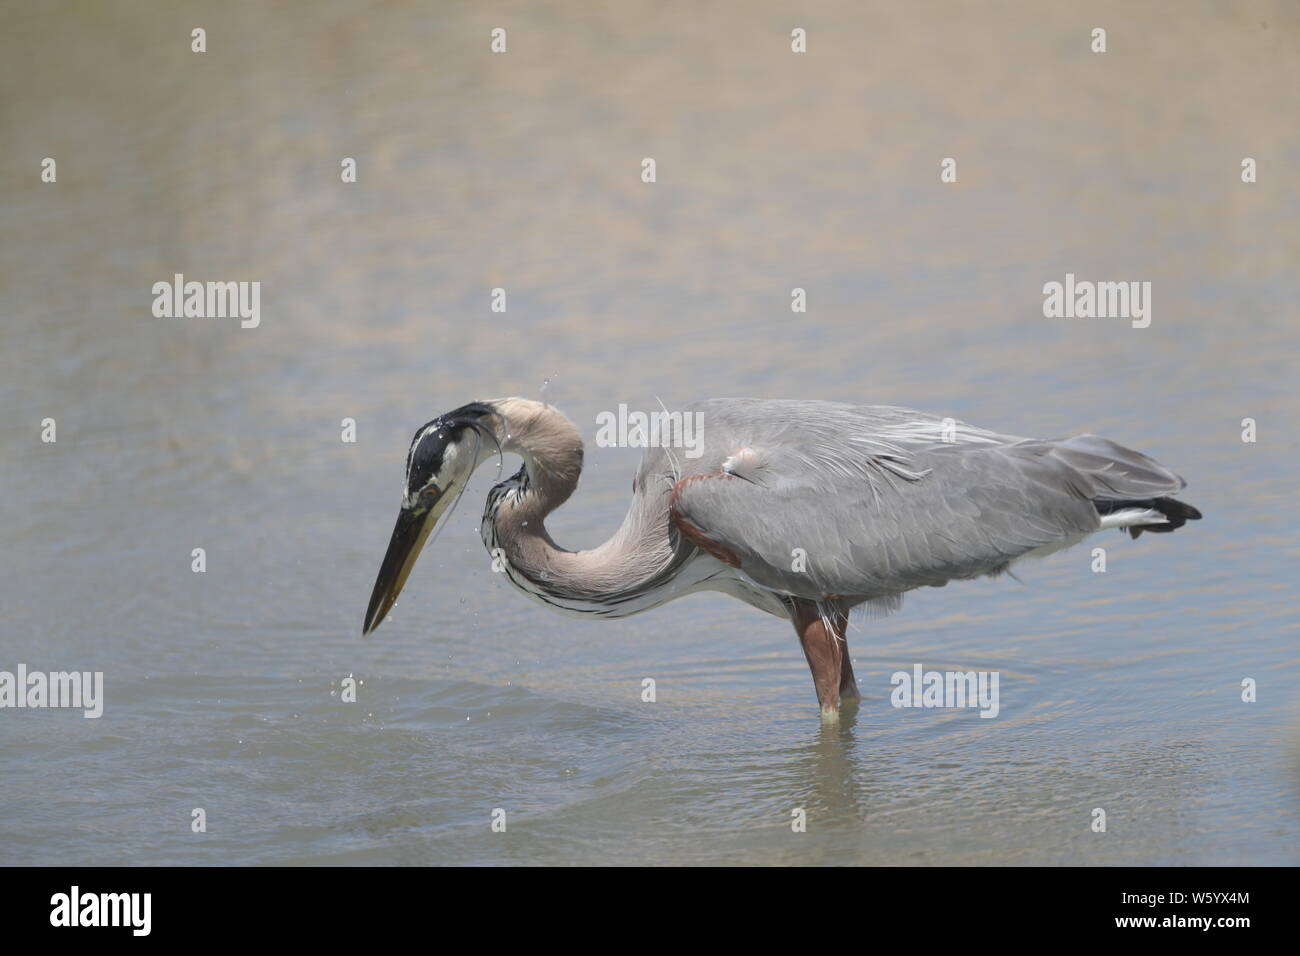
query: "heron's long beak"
409, 535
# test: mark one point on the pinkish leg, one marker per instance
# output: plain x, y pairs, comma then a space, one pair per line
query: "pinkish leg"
828, 657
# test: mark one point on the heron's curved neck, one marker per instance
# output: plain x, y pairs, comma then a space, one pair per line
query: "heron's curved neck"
514, 520
551, 447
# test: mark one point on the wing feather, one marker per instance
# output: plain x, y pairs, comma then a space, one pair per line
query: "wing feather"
878, 501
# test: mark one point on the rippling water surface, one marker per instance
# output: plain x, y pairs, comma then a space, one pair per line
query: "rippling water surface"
1119, 690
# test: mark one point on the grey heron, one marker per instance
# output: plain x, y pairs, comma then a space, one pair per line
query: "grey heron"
803, 509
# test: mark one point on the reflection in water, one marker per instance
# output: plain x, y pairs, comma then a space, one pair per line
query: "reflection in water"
830, 767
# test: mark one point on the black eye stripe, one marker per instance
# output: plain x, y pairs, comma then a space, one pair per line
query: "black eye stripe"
429, 453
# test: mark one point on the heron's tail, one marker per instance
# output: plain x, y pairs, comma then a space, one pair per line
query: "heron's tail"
1128, 489
1135, 515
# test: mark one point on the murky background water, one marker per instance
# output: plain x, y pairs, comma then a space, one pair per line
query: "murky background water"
1119, 690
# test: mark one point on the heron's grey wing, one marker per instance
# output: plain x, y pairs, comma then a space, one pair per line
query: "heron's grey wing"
806, 507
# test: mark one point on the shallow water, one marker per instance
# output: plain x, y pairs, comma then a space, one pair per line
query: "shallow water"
1118, 690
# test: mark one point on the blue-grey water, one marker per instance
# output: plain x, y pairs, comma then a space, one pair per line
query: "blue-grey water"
1119, 690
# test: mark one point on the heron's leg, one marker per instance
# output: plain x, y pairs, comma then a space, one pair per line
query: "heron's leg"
822, 648
848, 686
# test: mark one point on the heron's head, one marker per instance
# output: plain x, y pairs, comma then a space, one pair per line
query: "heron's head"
444, 453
